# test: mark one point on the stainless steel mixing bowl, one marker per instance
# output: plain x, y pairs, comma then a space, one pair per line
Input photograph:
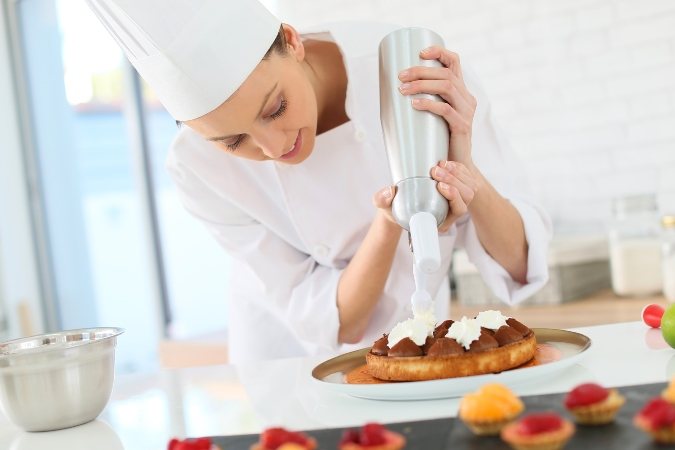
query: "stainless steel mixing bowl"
57, 380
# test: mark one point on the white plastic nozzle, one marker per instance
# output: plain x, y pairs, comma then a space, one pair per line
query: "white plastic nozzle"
424, 237
421, 299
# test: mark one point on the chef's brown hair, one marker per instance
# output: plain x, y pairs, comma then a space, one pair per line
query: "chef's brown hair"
279, 44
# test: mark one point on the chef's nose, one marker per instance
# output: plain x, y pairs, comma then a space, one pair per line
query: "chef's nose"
272, 142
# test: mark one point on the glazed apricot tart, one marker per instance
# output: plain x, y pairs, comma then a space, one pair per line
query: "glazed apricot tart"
493, 350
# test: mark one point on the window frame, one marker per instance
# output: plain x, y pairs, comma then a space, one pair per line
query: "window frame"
26, 184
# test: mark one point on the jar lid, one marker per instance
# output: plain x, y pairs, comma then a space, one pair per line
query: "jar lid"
668, 221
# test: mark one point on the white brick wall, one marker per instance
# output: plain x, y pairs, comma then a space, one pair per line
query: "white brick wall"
584, 88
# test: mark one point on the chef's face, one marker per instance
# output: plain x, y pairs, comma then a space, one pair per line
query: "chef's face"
273, 114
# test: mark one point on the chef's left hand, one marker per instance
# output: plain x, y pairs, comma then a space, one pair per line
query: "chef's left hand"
458, 105
458, 185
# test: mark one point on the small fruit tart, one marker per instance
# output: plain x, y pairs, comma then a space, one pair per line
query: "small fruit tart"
669, 392
489, 409
282, 439
592, 404
372, 436
657, 418
538, 431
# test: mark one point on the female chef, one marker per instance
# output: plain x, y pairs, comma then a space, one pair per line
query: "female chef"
281, 156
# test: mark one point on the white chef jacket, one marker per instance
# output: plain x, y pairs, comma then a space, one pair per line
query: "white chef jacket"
292, 229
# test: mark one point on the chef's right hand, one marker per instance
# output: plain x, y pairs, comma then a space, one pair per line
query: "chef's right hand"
458, 185
383, 200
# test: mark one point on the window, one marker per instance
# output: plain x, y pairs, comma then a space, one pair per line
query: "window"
120, 250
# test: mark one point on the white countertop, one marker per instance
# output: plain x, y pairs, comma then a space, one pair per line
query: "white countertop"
146, 411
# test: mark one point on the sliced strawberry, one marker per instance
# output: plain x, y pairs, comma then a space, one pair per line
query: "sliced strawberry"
659, 413
190, 444
586, 394
539, 423
372, 434
273, 438
350, 437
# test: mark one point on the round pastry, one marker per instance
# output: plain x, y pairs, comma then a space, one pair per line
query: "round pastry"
489, 409
538, 431
669, 392
657, 418
454, 349
372, 436
592, 404
282, 439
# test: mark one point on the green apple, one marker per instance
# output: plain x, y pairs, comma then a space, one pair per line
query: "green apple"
668, 325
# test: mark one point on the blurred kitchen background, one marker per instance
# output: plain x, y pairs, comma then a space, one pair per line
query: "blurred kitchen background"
92, 233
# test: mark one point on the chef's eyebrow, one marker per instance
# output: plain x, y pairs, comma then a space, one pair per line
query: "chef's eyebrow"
267, 96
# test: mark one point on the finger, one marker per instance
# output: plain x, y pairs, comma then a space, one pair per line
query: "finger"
446, 57
466, 191
436, 73
457, 206
451, 193
383, 198
457, 96
447, 223
428, 73
456, 122
467, 185
460, 171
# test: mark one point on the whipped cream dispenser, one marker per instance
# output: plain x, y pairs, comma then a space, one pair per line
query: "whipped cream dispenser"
415, 141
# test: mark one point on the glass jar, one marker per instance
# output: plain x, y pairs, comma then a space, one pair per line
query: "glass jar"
668, 257
635, 246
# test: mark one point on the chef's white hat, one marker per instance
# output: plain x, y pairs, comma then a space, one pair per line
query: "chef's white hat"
193, 53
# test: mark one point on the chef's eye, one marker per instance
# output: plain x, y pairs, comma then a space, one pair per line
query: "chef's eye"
233, 146
283, 104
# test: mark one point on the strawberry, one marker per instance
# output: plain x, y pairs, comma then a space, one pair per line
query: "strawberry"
190, 444
539, 423
659, 413
372, 434
350, 436
586, 394
273, 438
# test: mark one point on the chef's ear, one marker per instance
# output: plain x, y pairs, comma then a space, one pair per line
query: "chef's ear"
293, 42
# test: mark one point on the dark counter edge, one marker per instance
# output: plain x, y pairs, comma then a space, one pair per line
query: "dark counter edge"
451, 433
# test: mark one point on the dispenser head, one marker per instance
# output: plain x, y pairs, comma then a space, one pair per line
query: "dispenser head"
425, 245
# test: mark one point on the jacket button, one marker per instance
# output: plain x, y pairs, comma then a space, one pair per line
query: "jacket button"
321, 250
360, 135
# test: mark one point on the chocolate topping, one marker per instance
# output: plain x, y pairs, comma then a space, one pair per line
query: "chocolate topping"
519, 327
506, 335
487, 330
442, 329
440, 332
444, 347
406, 347
427, 345
484, 342
440, 345
380, 346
